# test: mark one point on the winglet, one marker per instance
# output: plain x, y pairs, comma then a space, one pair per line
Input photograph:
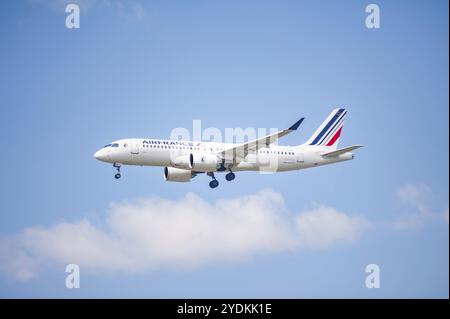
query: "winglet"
296, 125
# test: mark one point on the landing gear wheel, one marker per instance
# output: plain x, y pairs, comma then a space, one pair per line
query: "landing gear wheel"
117, 166
214, 183
230, 176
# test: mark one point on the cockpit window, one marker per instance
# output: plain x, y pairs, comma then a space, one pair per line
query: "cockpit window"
106, 145
115, 145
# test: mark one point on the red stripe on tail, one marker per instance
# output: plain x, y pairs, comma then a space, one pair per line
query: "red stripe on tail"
335, 137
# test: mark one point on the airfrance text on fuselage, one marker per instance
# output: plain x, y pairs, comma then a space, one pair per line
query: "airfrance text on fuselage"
163, 142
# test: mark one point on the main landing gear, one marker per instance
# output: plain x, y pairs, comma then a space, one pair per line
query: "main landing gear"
117, 166
214, 183
230, 176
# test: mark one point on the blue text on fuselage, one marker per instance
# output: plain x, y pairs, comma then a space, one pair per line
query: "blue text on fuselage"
159, 142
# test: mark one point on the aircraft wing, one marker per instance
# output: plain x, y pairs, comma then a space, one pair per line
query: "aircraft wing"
239, 152
341, 151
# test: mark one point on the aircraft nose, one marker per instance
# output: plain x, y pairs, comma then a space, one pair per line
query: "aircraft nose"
101, 155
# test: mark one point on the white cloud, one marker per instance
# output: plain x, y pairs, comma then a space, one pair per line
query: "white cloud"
418, 198
60, 5
132, 10
177, 234
323, 226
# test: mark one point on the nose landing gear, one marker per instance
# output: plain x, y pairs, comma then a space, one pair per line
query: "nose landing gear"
117, 166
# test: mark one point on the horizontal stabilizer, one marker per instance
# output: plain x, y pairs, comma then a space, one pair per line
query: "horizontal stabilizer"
341, 151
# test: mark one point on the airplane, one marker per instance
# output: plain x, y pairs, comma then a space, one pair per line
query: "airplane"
183, 160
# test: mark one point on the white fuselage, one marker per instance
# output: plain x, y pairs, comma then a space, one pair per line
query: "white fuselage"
183, 160
166, 153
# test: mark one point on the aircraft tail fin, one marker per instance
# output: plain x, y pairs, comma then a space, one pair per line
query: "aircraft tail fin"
329, 132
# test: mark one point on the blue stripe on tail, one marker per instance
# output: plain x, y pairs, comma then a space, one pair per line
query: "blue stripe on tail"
339, 121
325, 129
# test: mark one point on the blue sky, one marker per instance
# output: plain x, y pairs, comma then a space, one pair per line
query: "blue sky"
140, 69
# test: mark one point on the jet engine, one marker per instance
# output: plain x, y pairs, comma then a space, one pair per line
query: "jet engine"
181, 161
173, 174
204, 162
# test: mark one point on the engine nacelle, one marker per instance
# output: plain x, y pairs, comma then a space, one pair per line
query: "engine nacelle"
204, 162
173, 174
182, 161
